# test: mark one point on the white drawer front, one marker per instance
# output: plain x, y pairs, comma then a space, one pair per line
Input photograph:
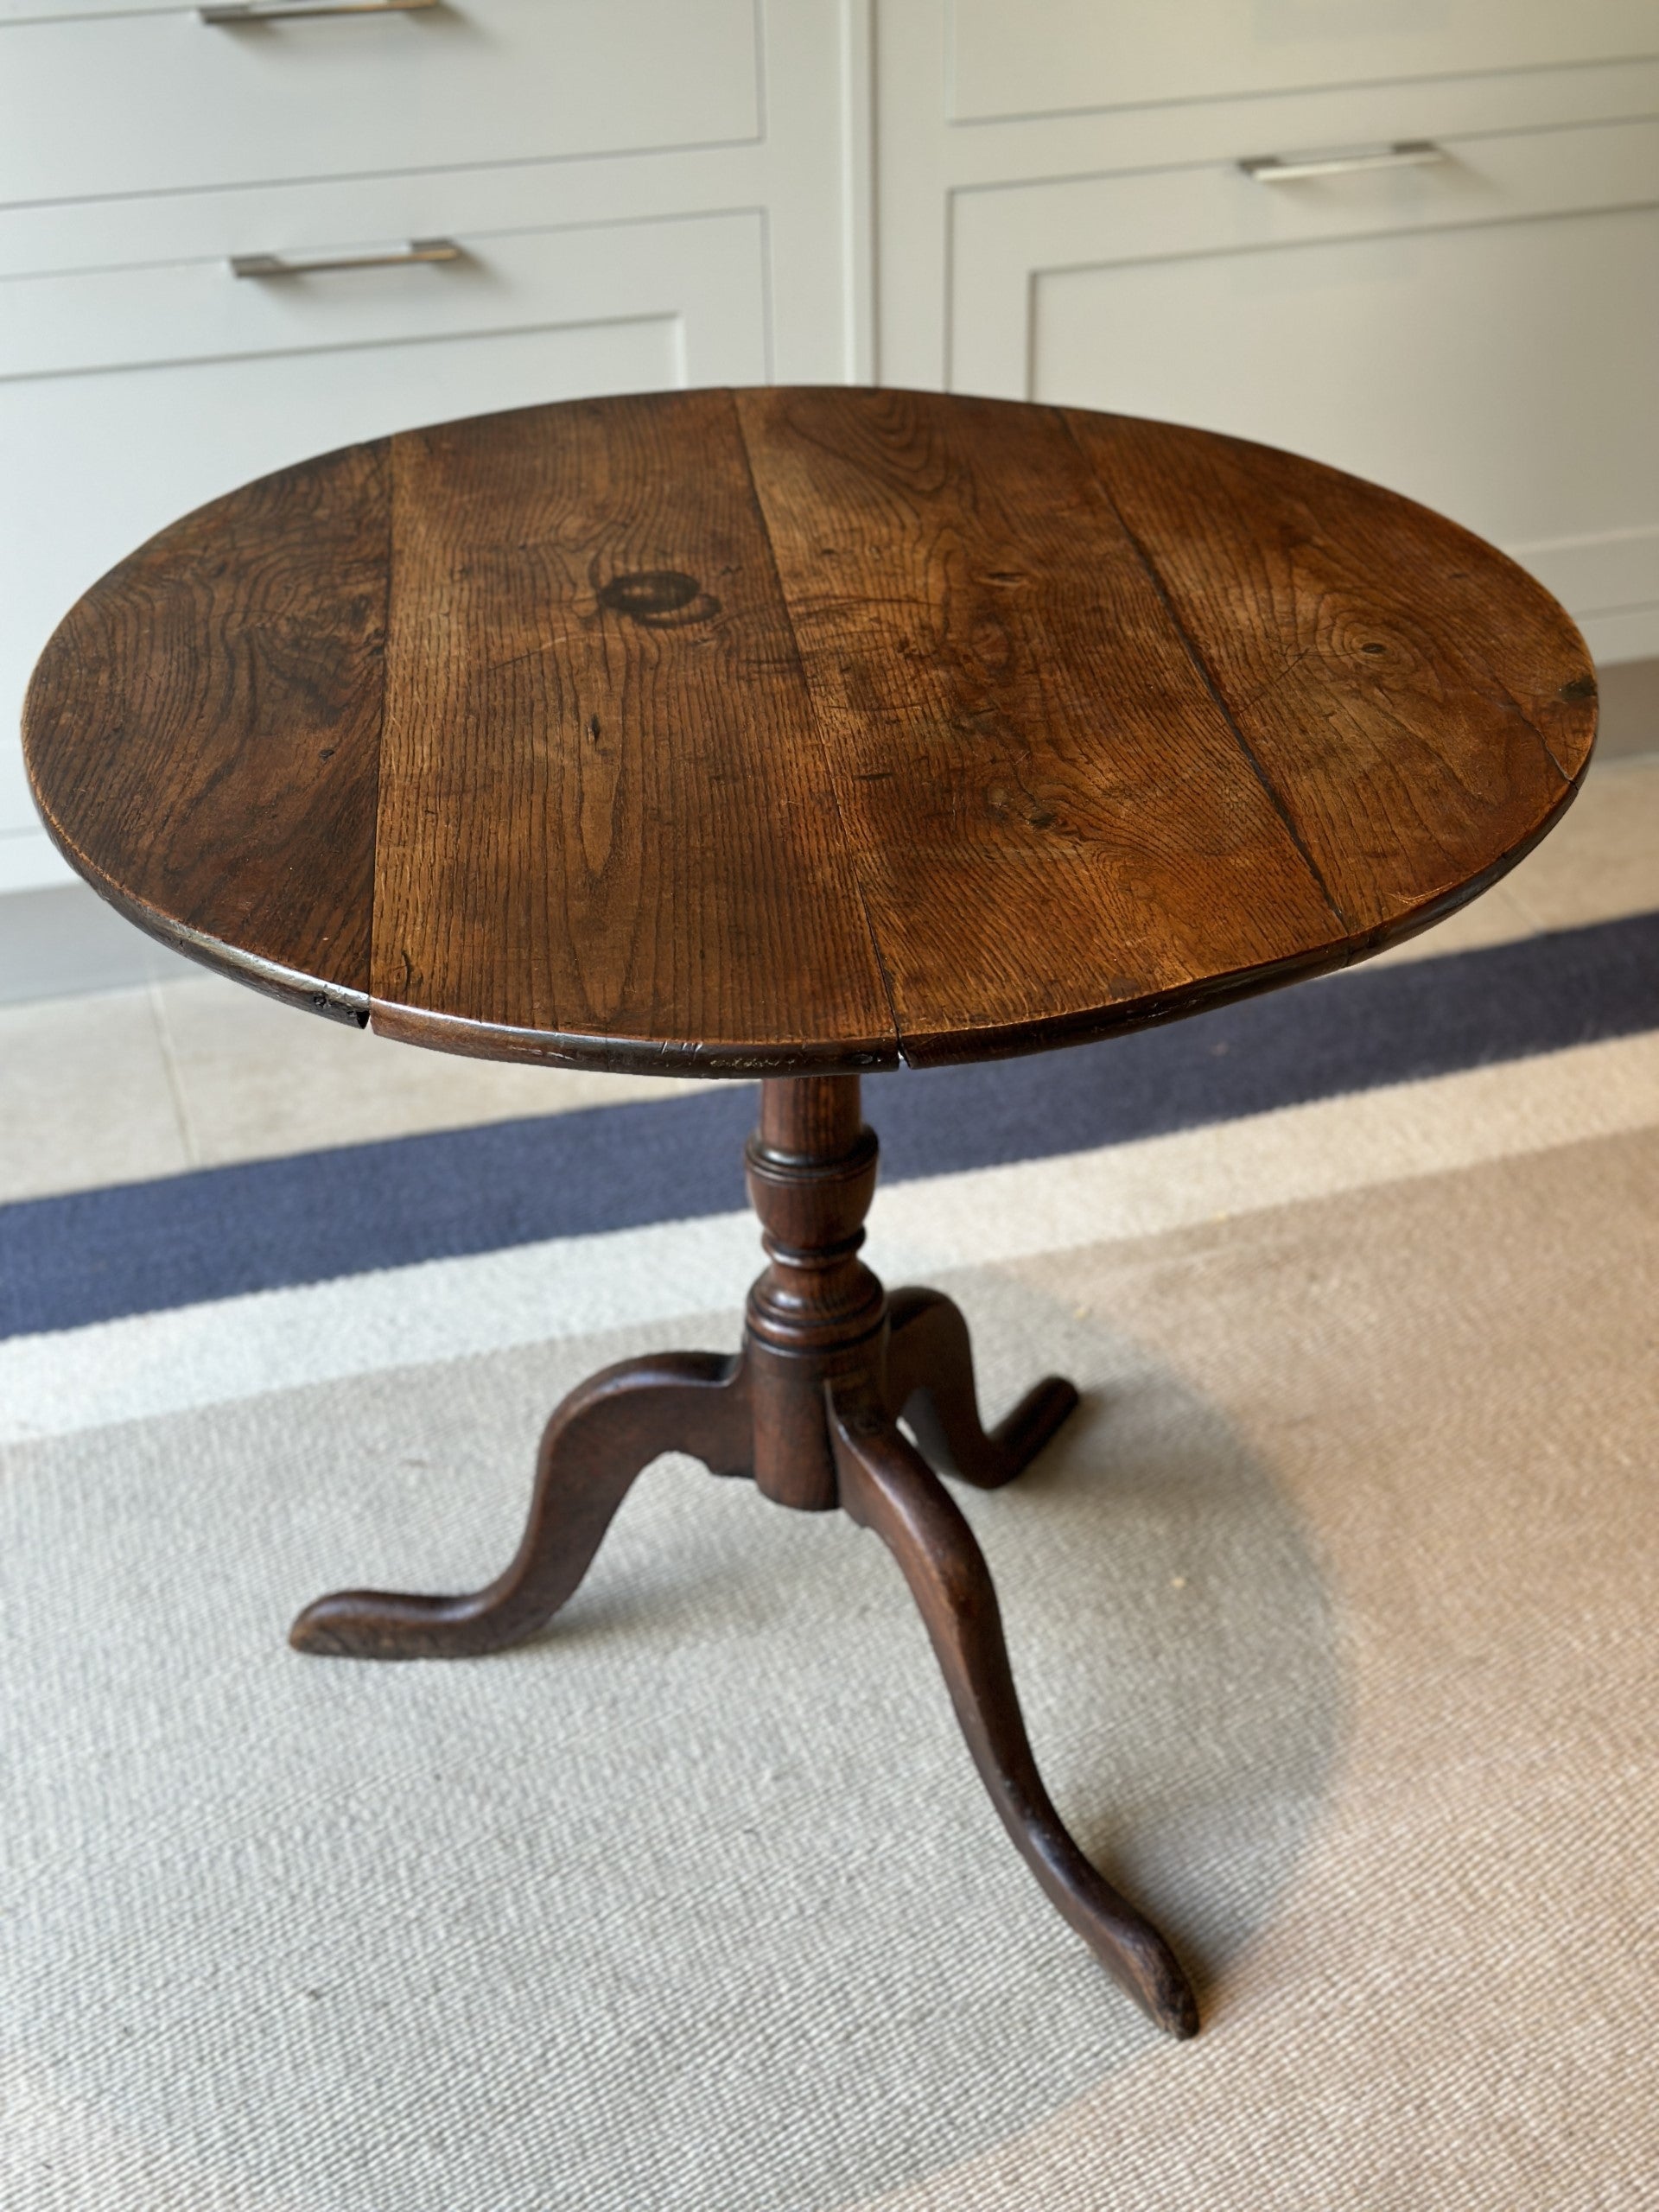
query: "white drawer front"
93, 464
160, 101
1484, 338
200, 311
1046, 57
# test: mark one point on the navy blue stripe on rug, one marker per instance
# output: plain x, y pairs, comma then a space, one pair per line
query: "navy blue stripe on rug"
93, 1255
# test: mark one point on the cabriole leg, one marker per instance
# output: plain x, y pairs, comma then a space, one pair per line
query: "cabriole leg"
602, 1436
887, 1486
931, 1383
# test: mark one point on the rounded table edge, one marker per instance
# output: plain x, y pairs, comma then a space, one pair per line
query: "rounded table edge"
609, 1055
293, 986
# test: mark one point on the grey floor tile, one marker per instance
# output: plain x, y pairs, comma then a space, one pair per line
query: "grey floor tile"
258, 1079
86, 1096
1603, 861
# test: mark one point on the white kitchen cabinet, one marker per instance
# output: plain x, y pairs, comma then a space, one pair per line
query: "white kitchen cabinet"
704, 275
265, 374
658, 193
159, 100
1066, 214
1469, 331
1037, 57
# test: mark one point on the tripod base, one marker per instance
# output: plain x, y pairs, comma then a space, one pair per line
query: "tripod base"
809, 1410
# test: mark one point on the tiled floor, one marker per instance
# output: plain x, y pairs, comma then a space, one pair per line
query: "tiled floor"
127, 1084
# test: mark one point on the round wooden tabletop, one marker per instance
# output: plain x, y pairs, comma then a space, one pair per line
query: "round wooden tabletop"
793, 731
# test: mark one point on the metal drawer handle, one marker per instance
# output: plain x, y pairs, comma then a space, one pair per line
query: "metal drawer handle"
281, 264
276, 11
1405, 154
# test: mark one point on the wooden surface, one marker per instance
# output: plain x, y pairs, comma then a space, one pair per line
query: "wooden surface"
204, 730
797, 729
602, 795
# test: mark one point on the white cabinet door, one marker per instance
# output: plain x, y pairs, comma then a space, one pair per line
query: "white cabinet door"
93, 463
1046, 57
156, 100
1484, 336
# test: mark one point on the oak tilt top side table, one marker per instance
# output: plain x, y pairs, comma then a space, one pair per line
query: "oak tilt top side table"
789, 734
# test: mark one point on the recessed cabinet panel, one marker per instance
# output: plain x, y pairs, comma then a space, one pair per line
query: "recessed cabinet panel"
1482, 335
93, 464
1055, 56
158, 102
1487, 371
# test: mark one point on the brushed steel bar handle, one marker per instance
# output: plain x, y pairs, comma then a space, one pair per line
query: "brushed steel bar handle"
282, 265
1405, 154
277, 11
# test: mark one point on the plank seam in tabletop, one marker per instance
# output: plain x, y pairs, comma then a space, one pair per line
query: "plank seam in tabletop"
751, 957
927, 1036
1202, 666
366, 1018
880, 956
885, 974
1329, 566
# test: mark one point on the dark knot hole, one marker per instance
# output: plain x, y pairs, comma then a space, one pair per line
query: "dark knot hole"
649, 594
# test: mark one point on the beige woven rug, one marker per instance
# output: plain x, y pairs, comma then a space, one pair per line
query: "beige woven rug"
1334, 1615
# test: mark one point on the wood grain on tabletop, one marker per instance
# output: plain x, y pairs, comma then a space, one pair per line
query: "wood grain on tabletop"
803, 728
203, 730
1400, 682
1048, 809
605, 809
